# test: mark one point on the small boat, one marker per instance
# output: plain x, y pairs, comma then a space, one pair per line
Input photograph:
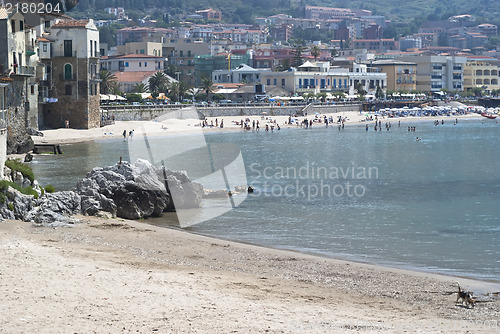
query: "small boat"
488, 115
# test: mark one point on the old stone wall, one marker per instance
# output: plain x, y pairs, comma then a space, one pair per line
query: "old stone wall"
75, 104
129, 113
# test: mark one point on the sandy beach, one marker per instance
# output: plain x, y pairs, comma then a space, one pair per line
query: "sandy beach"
117, 276
188, 126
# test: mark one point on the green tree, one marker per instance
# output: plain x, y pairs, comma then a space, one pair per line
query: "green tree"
134, 97
315, 52
217, 97
379, 94
158, 82
298, 53
140, 88
360, 90
108, 82
207, 85
177, 90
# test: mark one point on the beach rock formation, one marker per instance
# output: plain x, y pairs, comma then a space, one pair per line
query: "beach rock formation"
125, 190
19, 145
54, 209
135, 191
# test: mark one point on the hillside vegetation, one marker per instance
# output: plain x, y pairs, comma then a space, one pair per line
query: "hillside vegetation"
246, 11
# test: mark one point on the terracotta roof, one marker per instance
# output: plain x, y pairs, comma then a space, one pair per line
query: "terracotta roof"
71, 24
43, 39
133, 76
227, 85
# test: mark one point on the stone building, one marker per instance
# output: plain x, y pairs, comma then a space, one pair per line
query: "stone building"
72, 67
18, 93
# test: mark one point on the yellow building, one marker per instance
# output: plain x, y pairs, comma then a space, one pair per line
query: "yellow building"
401, 75
480, 74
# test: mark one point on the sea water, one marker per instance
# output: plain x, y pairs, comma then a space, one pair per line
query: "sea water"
379, 197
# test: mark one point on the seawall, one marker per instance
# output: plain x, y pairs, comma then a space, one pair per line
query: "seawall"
140, 113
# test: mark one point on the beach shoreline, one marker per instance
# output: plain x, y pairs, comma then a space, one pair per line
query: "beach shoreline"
167, 280
171, 127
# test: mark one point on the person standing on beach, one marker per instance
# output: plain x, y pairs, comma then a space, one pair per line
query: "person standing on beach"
131, 134
124, 134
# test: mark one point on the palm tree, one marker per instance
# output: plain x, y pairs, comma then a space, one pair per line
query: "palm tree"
158, 82
177, 90
207, 85
140, 88
315, 52
108, 82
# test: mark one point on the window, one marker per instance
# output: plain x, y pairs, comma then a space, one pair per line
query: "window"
21, 25
274, 81
32, 89
68, 72
13, 25
140, 64
68, 48
282, 82
189, 53
142, 51
47, 24
44, 47
68, 90
268, 82
181, 53
126, 64
145, 64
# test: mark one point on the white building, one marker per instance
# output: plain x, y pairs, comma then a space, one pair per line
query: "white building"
319, 77
242, 74
133, 63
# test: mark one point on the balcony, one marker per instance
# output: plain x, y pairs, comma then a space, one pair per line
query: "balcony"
435, 76
28, 71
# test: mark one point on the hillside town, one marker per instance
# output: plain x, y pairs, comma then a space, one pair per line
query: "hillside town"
56, 71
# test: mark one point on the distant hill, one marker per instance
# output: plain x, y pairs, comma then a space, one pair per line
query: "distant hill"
244, 11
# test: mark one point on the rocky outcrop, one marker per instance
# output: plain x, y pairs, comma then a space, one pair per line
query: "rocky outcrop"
131, 191
19, 145
137, 190
34, 132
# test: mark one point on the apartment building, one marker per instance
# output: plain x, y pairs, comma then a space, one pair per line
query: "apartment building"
142, 48
182, 55
435, 73
481, 74
132, 63
140, 34
401, 76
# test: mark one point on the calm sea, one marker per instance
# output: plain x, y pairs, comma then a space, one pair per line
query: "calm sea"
379, 197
